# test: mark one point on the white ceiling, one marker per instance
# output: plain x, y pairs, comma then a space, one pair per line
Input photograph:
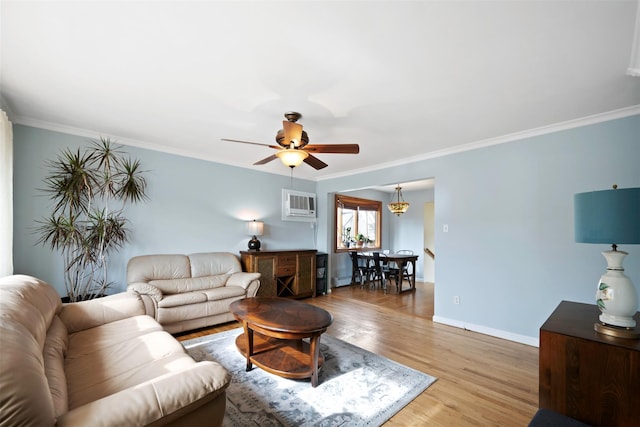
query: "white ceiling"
404, 79
420, 185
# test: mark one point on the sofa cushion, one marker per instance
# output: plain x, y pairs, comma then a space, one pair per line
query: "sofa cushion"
88, 340
145, 268
83, 315
213, 264
215, 294
55, 350
31, 302
176, 314
174, 300
160, 401
224, 293
177, 286
29, 402
117, 366
26, 309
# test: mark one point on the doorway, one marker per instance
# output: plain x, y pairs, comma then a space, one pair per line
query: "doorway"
429, 243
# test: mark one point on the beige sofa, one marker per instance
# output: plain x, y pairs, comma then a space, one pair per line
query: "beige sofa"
184, 292
97, 363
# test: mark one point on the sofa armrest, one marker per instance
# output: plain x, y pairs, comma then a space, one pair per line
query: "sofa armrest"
146, 289
150, 295
161, 397
242, 279
78, 316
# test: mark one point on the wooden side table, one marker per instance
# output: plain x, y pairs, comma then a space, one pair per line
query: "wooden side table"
591, 377
274, 329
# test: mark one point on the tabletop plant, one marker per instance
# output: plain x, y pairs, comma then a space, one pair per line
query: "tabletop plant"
89, 190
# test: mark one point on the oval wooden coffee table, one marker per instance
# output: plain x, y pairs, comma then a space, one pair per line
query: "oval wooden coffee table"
274, 329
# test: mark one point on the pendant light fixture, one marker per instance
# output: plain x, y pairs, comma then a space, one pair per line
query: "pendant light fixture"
399, 206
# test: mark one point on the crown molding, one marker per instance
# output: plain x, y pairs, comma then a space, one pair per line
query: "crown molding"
517, 136
70, 130
512, 137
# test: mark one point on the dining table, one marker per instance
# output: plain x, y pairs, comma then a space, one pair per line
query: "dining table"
401, 260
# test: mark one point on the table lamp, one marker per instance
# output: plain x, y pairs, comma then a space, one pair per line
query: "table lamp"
255, 228
611, 217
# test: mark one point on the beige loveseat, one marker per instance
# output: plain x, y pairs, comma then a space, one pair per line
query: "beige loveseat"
184, 292
97, 363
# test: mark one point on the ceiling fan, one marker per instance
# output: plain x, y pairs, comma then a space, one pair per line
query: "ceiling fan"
294, 148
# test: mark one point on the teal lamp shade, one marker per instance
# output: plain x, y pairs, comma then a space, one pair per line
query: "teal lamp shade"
609, 216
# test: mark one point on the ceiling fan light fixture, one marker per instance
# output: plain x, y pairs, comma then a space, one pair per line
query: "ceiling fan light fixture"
293, 146
292, 157
399, 206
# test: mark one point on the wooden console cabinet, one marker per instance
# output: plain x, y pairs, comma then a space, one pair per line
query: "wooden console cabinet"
290, 273
585, 375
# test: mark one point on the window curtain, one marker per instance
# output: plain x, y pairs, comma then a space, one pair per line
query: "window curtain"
6, 200
634, 64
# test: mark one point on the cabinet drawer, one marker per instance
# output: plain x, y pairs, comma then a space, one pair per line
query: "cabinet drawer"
286, 265
286, 270
287, 260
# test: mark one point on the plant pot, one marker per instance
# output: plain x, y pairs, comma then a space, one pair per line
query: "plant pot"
66, 300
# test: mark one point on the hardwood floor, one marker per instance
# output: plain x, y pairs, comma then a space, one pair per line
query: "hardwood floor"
482, 380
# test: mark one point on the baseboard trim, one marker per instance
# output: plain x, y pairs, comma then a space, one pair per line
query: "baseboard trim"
498, 333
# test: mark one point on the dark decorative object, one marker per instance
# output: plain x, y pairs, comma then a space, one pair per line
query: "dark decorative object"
254, 229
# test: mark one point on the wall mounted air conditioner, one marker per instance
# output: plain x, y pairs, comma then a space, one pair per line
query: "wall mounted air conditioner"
298, 206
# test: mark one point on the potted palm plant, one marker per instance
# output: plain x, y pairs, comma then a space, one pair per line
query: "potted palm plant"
89, 190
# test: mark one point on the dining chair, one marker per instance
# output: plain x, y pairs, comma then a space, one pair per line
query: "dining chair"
405, 252
359, 271
379, 270
406, 272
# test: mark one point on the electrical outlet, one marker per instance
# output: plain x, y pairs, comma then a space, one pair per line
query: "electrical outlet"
445, 228
456, 299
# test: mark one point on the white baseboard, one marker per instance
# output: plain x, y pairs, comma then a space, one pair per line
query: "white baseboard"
340, 281
346, 280
522, 339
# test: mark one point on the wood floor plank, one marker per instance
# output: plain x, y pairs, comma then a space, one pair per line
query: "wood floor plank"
482, 380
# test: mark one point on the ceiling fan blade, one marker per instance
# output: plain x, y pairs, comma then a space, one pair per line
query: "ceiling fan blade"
315, 162
333, 148
252, 143
292, 133
266, 160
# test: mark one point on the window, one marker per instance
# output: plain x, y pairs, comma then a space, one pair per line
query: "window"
358, 223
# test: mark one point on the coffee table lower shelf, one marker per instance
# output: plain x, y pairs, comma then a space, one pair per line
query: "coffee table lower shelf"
285, 358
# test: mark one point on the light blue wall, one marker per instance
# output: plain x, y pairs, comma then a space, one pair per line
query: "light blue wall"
194, 206
509, 253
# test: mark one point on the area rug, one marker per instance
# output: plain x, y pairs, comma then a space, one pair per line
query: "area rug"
356, 387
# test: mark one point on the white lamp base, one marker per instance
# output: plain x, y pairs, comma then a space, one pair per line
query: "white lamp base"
616, 296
